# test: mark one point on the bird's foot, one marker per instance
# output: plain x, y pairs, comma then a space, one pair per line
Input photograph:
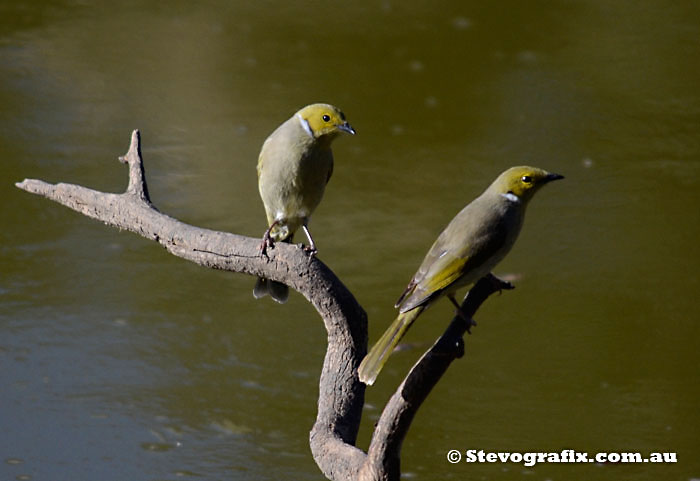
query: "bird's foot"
310, 250
266, 243
460, 313
470, 322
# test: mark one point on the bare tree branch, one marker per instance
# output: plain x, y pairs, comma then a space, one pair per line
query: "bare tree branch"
341, 394
385, 448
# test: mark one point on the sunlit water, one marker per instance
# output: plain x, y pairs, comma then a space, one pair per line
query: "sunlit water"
119, 361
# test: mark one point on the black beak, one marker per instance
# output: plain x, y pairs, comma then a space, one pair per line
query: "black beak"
551, 177
346, 127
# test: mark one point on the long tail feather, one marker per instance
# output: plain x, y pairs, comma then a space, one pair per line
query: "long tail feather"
379, 354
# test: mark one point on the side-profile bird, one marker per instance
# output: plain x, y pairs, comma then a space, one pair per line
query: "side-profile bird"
471, 245
294, 166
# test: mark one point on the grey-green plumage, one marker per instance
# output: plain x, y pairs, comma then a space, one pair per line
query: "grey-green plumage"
492, 223
471, 245
294, 166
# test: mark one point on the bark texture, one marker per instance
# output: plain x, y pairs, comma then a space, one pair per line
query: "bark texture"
341, 394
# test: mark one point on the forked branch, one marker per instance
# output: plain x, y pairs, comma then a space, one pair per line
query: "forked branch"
341, 394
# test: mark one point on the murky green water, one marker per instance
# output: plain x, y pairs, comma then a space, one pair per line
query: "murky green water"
119, 361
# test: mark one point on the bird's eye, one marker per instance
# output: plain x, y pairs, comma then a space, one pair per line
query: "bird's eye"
326, 118
527, 179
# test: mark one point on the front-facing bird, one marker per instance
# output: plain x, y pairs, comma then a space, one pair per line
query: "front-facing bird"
294, 166
471, 245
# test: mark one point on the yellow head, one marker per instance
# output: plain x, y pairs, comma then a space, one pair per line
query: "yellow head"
522, 182
323, 120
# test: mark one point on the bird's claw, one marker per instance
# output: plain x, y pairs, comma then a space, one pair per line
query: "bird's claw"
266, 243
310, 250
460, 313
470, 322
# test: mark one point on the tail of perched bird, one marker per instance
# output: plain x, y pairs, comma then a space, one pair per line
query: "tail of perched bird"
377, 357
278, 291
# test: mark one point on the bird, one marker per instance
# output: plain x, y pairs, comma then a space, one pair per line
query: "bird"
294, 166
471, 245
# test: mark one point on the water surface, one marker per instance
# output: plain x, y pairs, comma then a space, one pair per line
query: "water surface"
120, 361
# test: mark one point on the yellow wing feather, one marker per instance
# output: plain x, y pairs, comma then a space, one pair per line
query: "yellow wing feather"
446, 274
